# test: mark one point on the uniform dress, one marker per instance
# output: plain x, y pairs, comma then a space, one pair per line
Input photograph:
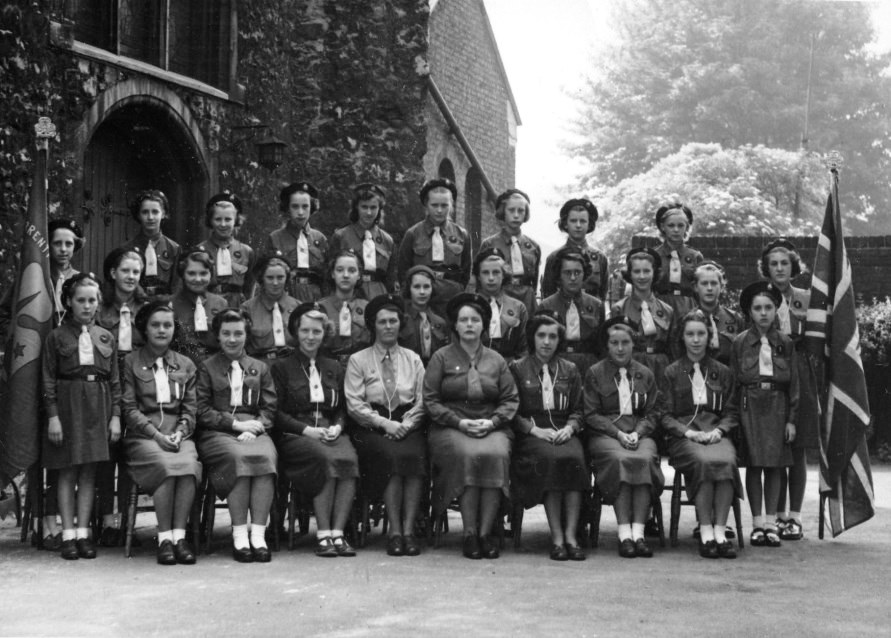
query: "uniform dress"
595, 284
168, 252
460, 461
226, 458
150, 465
680, 296
514, 316
308, 463
83, 397
699, 463
341, 346
261, 339
237, 287
197, 345
382, 278
583, 352
452, 273
537, 466
412, 331
729, 324
520, 286
763, 405
370, 401
807, 425
305, 283
612, 463
654, 351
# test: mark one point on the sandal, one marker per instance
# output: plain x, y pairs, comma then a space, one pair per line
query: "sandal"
772, 538
792, 531
342, 547
757, 538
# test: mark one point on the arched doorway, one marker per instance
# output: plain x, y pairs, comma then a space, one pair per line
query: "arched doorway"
139, 145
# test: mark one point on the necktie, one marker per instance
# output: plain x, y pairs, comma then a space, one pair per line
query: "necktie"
699, 394
714, 343
125, 330
646, 319
369, 254
674, 268
437, 252
495, 324
624, 393
85, 347
162, 383
345, 322
516, 257
302, 250
151, 260
236, 385
57, 294
388, 371
765, 358
785, 320
573, 323
474, 384
278, 326
200, 315
224, 262
316, 394
426, 336
547, 388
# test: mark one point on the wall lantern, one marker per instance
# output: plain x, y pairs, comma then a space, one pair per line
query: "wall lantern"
270, 149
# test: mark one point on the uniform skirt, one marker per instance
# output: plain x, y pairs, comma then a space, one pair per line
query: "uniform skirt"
614, 465
763, 419
228, 459
460, 461
309, 464
539, 467
381, 458
705, 463
84, 410
149, 465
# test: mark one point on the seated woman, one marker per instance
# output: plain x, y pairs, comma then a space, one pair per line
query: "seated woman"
309, 423
195, 308
384, 387
424, 331
270, 309
620, 400
236, 406
471, 398
695, 393
159, 406
549, 462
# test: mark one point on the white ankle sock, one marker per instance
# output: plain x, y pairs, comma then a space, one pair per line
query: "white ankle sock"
165, 536
720, 534
795, 516
68, 535
637, 530
706, 533
178, 535
758, 521
240, 536
258, 536
323, 533
82, 532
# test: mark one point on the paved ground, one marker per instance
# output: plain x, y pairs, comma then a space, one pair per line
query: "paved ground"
811, 588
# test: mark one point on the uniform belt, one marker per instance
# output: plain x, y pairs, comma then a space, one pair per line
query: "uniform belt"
578, 347
650, 350
304, 276
521, 280
278, 353
443, 271
90, 378
767, 385
226, 288
373, 276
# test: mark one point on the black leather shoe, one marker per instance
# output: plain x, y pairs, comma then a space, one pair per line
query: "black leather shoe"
51, 542
243, 555
575, 552
626, 548
726, 550
395, 546
642, 549
166, 555
343, 548
412, 548
472, 547
489, 547
69, 550
708, 549
261, 554
85, 548
183, 552
558, 552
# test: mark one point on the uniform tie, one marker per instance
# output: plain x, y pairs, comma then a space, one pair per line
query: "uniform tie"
302, 250
316, 394
369, 254
85, 347
200, 315
57, 294
474, 384
437, 252
765, 359
674, 268
495, 323
151, 260
162, 383
624, 393
224, 262
125, 330
699, 394
278, 326
714, 342
516, 257
646, 319
345, 321
783, 315
573, 323
547, 388
236, 385
426, 336
388, 372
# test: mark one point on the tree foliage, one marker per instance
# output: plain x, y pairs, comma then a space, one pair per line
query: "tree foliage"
736, 72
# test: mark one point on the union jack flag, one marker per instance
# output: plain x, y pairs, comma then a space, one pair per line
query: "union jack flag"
834, 339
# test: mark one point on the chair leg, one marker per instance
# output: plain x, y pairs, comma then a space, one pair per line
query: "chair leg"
195, 522
737, 516
210, 497
292, 515
364, 520
657, 514
675, 507
275, 521
131, 518
516, 523
596, 513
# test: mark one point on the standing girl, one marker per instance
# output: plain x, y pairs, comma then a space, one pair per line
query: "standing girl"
233, 260
195, 308
161, 253
346, 308
674, 285
424, 331
578, 219
724, 323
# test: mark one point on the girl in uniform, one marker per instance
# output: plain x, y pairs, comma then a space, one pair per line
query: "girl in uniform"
674, 285
233, 260
269, 310
346, 308
724, 323
424, 331
507, 329
195, 307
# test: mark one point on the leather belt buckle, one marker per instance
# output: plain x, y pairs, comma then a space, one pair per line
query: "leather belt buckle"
651, 350
676, 293
765, 385
91, 378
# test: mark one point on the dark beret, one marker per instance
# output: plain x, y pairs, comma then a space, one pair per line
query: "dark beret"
469, 299
758, 288
439, 182
389, 302
666, 210
581, 202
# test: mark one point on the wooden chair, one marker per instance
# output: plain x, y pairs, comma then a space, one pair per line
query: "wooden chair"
677, 499
595, 509
128, 521
208, 497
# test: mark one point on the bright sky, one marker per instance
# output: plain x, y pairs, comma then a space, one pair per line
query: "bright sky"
547, 47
